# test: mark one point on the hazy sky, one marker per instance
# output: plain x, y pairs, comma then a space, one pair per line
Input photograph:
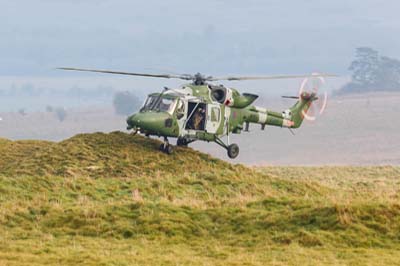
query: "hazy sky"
220, 36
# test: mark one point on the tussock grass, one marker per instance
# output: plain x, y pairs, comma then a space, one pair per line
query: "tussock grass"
112, 199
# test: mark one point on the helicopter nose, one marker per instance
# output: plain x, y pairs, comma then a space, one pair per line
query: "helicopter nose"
148, 121
131, 121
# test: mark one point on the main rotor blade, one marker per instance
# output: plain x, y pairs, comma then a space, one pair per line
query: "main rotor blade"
167, 76
291, 97
232, 78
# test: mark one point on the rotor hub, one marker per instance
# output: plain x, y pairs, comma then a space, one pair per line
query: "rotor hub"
199, 79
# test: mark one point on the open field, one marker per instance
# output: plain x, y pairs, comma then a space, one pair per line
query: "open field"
111, 199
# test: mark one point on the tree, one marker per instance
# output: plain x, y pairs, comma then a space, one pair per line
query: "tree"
388, 74
61, 113
372, 72
49, 109
125, 103
365, 66
22, 112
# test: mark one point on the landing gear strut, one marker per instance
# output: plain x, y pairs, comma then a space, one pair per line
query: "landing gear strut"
166, 147
233, 149
184, 142
135, 130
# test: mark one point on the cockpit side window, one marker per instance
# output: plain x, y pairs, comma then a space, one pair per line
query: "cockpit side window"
180, 110
166, 105
149, 103
155, 103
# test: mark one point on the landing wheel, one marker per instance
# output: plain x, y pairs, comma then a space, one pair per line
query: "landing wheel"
166, 147
161, 147
182, 142
233, 151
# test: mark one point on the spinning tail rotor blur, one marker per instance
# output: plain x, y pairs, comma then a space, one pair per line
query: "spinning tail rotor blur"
316, 85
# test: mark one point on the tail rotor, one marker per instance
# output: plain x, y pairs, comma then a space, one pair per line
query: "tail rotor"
314, 86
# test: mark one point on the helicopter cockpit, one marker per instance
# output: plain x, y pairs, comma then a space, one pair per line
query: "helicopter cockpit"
160, 103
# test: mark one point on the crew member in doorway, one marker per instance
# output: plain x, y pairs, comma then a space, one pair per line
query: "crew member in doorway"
198, 119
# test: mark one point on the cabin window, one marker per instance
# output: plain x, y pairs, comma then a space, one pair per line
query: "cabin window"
215, 114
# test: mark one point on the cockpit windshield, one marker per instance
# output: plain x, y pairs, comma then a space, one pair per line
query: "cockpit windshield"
157, 103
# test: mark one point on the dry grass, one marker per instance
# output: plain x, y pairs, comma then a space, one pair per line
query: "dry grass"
111, 199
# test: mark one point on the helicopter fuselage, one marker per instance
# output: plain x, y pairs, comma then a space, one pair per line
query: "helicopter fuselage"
190, 112
206, 112
202, 111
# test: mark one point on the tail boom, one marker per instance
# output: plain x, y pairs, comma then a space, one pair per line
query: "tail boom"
291, 118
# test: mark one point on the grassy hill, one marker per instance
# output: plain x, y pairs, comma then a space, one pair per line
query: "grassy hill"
112, 199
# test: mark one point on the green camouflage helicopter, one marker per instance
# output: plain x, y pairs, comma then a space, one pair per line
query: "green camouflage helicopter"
207, 112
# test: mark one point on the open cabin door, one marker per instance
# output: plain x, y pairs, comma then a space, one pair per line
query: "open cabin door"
213, 118
196, 116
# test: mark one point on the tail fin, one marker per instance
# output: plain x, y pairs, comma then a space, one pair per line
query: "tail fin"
299, 110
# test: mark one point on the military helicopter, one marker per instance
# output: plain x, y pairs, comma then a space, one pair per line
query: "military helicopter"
204, 111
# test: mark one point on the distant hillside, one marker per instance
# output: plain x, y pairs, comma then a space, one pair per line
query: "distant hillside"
113, 199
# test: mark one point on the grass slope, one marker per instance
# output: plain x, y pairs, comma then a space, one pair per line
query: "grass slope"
111, 199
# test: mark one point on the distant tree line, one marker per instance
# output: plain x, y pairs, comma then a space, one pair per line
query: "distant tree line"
60, 112
372, 72
124, 102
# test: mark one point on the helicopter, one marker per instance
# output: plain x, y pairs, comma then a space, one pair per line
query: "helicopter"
201, 110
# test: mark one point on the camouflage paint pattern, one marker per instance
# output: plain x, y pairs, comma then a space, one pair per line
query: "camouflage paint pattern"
234, 114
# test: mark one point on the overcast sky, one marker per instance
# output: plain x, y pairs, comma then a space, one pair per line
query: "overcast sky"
219, 36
